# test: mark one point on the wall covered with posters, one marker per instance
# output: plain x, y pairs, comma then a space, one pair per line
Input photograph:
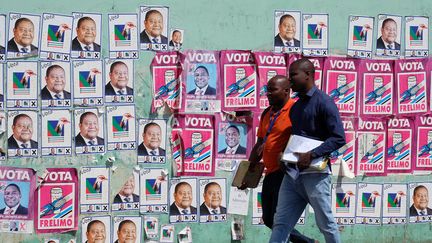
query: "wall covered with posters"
65, 200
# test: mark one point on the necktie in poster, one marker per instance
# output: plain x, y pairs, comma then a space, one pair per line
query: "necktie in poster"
269, 65
16, 204
346, 153
369, 204
344, 197
234, 137
202, 93
423, 152
57, 201
239, 80
342, 83
376, 87
197, 137
371, 144
411, 79
400, 144
166, 72
395, 199
416, 36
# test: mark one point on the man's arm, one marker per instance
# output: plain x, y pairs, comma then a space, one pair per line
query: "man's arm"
256, 153
334, 126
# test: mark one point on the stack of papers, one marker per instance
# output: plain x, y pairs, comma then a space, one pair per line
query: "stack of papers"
299, 144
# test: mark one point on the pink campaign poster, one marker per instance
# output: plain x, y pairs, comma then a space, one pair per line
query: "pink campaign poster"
377, 85
424, 143
202, 93
234, 137
342, 83
176, 145
371, 144
400, 143
239, 81
269, 65
17, 187
411, 86
198, 140
348, 151
57, 205
166, 72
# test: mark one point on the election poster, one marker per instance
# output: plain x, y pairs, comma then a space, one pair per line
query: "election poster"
119, 81
239, 81
360, 36
176, 40
88, 83
395, 200
342, 83
154, 28
123, 36
213, 200
152, 141
388, 34
183, 200
287, 31
419, 209
89, 131
371, 145
166, 73
151, 227
57, 201
411, 88
257, 204
400, 144
56, 85
96, 229
23, 134
3, 38
416, 36
86, 35
346, 153
423, 152
153, 191
121, 127
22, 82
202, 93
127, 193
56, 131
315, 34
127, 229
344, 196
23, 23
369, 203
94, 189
377, 92
56, 37
16, 199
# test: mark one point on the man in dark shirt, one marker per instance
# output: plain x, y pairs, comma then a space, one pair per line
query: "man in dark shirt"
314, 116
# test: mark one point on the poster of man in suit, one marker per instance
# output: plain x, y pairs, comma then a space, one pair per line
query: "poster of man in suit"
389, 35
212, 200
119, 81
176, 41
127, 229
86, 36
56, 84
127, 196
23, 38
154, 28
89, 131
152, 141
287, 32
96, 229
23, 139
419, 207
232, 139
183, 198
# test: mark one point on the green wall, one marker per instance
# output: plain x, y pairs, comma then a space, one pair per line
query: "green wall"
217, 25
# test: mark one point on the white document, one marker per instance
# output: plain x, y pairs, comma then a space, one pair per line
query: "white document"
299, 144
238, 201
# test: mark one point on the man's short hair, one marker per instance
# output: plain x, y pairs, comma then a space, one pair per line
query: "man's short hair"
88, 113
127, 221
386, 21
116, 63
148, 125
235, 127
16, 118
18, 22
179, 185
281, 20
150, 13
50, 68
81, 20
418, 188
92, 223
203, 68
176, 31
15, 185
211, 184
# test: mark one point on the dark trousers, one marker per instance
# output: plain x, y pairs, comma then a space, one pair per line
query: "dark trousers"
269, 197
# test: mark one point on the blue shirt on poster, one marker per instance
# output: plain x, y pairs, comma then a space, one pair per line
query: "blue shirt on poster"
316, 116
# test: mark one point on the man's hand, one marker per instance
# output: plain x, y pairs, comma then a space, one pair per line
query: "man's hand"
304, 160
